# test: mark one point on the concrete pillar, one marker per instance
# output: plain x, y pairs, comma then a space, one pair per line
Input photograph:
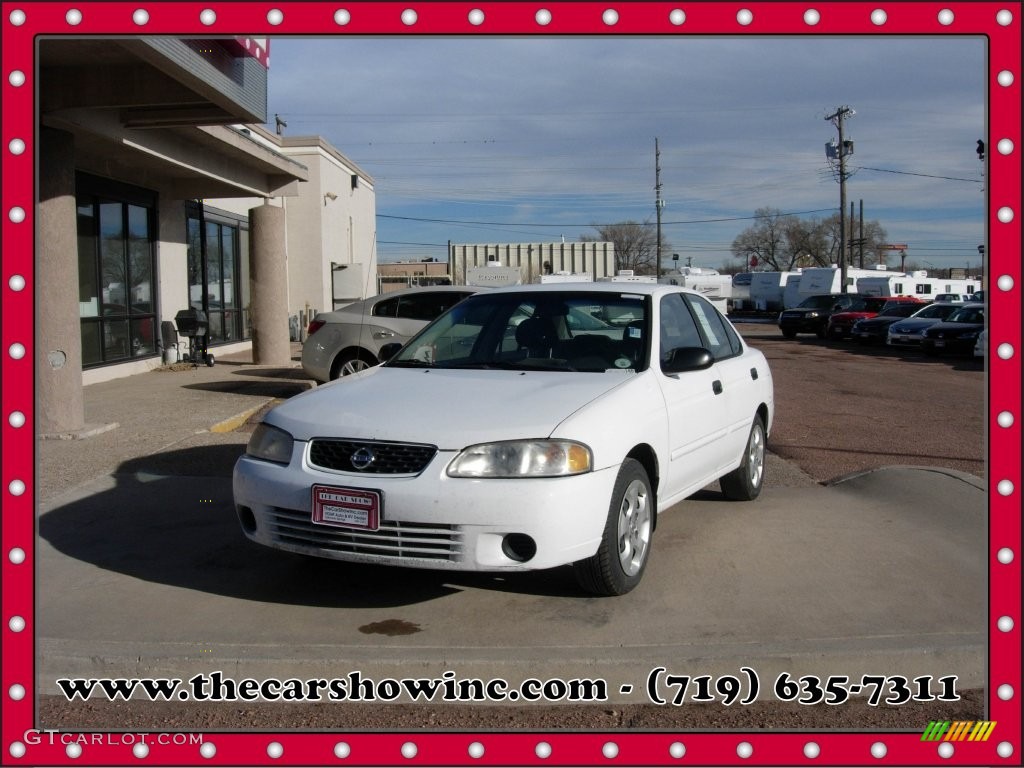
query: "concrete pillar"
268, 278
58, 351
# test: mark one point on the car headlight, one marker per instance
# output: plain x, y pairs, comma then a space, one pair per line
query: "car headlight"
522, 458
270, 444
969, 335
814, 314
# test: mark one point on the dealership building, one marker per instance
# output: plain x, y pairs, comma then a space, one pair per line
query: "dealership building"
159, 191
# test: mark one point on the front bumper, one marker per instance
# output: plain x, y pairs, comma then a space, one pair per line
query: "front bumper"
430, 520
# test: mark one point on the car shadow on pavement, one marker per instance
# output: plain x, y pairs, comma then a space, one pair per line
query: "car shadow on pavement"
169, 519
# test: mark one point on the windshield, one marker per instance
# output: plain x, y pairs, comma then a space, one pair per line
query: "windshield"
967, 315
563, 331
937, 311
818, 302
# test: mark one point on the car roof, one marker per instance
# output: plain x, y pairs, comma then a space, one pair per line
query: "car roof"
603, 286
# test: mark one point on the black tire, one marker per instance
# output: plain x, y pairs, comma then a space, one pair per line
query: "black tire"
347, 364
930, 350
789, 333
209, 361
820, 333
620, 561
745, 482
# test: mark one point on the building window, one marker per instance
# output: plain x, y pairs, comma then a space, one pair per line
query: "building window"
116, 271
218, 272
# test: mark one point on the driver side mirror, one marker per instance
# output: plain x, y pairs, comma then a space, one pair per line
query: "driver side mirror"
683, 359
389, 350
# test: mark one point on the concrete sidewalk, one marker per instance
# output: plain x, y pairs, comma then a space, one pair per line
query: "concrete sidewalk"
143, 572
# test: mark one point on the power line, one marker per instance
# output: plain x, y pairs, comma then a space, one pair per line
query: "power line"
924, 175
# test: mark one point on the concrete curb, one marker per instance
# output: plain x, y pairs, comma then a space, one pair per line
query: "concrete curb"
232, 423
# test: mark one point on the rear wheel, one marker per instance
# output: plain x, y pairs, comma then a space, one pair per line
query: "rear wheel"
349, 363
744, 483
789, 333
620, 561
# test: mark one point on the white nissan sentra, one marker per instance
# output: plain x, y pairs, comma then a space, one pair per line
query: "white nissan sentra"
526, 428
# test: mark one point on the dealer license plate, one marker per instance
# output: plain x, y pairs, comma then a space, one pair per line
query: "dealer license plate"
347, 507
940, 343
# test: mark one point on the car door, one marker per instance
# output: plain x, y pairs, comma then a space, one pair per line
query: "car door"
698, 414
402, 317
736, 375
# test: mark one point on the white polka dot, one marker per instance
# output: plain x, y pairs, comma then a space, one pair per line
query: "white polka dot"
16, 147
17, 17
879, 17
208, 749
1005, 749
409, 750
1005, 624
342, 750
811, 750
16, 78
409, 17
73, 17
1005, 556
879, 750
140, 750
1005, 487
1005, 78
610, 17
476, 17
16, 351
946, 750
744, 16
17, 487
946, 17
1004, 18
16, 692
17, 750
543, 750
342, 17
16, 556
16, 419
16, 624
610, 750
1005, 214
208, 17
811, 17
16, 214
275, 750
677, 750
1005, 283
275, 16
1005, 351
141, 17
745, 749
16, 283
74, 751
543, 17
476, 750
1005, 692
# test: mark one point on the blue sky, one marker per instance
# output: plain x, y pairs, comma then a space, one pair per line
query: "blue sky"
519, 139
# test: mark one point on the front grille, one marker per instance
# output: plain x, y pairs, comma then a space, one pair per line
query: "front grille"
388, 458
393, 539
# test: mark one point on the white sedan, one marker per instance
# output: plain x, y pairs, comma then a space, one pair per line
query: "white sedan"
526, 428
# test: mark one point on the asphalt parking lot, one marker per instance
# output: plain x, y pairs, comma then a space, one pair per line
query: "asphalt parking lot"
142, 571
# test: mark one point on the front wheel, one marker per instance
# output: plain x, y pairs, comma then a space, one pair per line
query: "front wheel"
621, 559
349, 364
744, 483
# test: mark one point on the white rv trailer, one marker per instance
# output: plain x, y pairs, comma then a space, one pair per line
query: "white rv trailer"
791, 294
916, 284
716, 288
767, 289
818, 280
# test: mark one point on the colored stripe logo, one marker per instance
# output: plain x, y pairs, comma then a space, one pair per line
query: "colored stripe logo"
958, 730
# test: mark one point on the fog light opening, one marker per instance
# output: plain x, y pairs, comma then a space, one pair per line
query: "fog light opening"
518, 547
246, 518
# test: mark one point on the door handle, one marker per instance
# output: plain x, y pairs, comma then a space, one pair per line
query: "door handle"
753, 373
716, 387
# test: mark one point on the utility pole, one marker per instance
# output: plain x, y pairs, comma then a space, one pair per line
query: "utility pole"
836, 118
658, 204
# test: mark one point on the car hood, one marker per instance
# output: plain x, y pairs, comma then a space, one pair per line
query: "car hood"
946, 327
447, 408
915, 325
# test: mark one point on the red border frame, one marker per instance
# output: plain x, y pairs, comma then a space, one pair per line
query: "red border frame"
519, 18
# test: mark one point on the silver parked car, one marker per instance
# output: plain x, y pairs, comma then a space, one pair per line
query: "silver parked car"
349, 340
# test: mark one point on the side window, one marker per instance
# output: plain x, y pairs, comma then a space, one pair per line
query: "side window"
719, 336
427, 306
678, 328
388, 308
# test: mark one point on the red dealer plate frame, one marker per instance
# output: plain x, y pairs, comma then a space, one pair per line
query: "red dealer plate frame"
347, 502
877, 18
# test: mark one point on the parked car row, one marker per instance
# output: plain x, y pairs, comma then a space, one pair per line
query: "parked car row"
935, 328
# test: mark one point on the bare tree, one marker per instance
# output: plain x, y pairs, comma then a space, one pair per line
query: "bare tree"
636, 244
